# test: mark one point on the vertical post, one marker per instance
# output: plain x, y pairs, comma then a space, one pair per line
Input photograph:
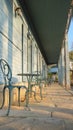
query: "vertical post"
66, 53
37, 61
27, 53
60, 69
22, 51
67, 70
65, 61
31, 55
63, 65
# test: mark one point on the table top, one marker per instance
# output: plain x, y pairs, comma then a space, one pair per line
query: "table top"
28, 74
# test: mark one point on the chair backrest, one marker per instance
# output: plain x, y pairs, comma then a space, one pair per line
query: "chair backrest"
6, 71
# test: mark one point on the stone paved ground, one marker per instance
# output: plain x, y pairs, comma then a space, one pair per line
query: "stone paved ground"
54, 112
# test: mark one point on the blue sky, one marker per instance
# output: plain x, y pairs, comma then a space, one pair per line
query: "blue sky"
70, 36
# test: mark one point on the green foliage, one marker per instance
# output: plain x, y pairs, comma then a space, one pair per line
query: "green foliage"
49, 75
71, 55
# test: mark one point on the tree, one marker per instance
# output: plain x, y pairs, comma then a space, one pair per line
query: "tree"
71, 72
71, 55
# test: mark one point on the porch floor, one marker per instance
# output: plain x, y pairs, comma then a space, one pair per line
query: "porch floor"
54, 112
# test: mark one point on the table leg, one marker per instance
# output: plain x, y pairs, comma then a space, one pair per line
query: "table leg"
27, 98
28, 92
19, 96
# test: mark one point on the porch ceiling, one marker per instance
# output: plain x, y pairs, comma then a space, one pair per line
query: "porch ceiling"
47, 20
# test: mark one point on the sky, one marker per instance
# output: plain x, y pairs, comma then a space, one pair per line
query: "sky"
70, 36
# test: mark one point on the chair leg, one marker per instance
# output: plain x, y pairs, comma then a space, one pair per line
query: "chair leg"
9, 105
3, 98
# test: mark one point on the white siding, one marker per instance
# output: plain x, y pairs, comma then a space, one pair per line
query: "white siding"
11, 40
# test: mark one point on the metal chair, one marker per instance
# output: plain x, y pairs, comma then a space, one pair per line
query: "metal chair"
7, 75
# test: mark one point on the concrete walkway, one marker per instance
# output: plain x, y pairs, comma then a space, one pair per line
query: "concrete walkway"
54, 112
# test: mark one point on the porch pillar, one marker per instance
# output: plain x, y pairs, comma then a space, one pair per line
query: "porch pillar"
59, 70
67, 68
63, 65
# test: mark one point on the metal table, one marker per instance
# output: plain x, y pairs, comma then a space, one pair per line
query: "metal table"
29, 89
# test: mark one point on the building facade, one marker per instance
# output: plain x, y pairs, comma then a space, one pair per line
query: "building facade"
16, 47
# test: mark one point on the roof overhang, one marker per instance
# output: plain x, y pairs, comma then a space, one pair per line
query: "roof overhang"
47, 20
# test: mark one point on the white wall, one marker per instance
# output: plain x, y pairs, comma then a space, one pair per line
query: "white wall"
11, 39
